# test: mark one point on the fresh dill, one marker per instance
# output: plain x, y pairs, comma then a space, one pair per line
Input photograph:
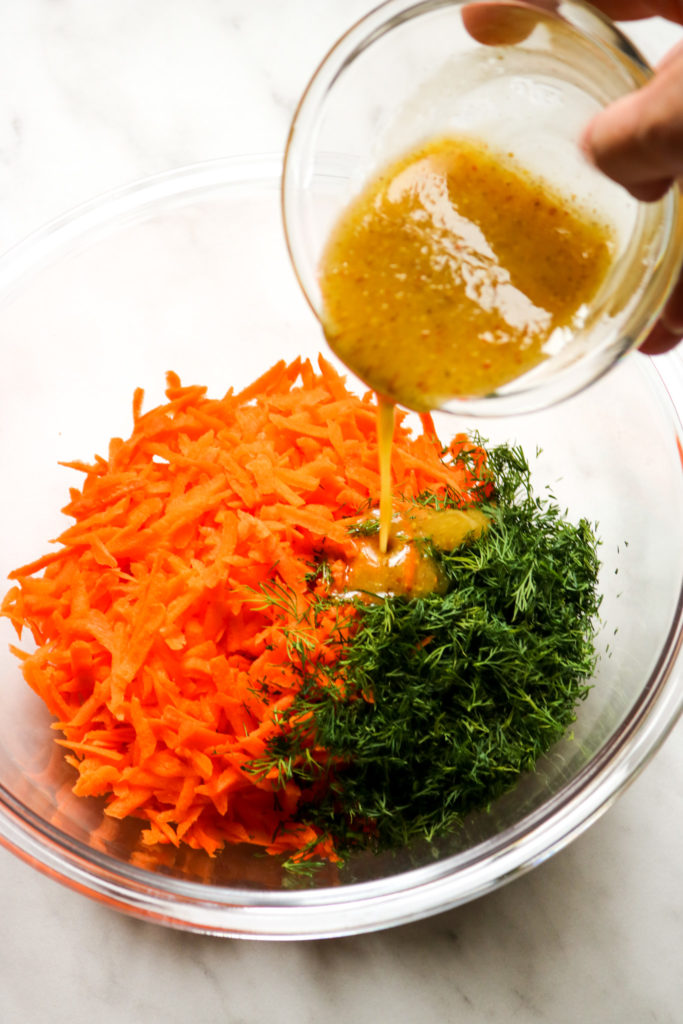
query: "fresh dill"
449, 698
364, 528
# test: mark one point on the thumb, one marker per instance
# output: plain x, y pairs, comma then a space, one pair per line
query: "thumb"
638, 140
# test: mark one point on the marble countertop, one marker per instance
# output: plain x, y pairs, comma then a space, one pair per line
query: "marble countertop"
95, 95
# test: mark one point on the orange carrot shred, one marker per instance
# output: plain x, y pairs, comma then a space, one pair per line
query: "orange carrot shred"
151, 635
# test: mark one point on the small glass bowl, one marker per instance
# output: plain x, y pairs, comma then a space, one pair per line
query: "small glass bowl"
520, 77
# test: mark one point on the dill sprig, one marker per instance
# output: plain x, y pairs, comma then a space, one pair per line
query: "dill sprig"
364, 527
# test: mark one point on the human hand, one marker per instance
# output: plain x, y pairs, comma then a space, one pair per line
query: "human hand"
638, 140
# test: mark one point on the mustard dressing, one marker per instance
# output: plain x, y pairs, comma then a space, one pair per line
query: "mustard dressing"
447, 275
405, 567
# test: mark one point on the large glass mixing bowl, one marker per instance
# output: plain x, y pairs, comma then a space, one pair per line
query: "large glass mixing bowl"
189, 272
524, 78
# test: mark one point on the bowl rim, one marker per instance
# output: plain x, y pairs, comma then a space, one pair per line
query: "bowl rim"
363, 906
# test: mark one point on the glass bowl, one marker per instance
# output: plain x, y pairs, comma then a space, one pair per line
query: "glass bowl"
523, 77
189, 272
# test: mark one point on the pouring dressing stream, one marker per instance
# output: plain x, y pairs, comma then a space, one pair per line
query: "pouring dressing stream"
453, 272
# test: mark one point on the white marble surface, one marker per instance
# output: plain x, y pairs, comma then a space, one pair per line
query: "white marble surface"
94, 95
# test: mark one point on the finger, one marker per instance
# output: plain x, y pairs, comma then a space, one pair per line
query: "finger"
503, 24
668, 330
629, 10
507, 22
650, 191
672, 315
638, 140
659, 340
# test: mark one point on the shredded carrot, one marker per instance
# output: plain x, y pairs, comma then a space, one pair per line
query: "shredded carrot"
154, 648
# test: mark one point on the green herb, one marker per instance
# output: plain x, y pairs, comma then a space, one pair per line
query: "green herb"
364, 528
448, 699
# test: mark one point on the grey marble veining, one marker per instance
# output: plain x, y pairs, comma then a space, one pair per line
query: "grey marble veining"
594, 934
92, 96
